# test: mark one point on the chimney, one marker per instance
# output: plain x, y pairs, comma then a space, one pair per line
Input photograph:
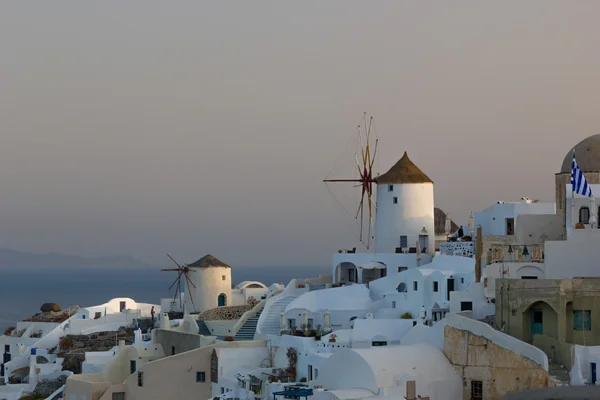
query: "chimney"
478, 253
164, 321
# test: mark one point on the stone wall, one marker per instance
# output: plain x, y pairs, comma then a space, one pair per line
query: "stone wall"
557, 350
499, 370
225, 313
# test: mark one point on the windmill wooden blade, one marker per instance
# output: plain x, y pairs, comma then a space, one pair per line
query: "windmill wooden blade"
176, 280
189, 281
172, 259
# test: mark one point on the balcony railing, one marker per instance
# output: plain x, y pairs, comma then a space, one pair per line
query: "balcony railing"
515, 253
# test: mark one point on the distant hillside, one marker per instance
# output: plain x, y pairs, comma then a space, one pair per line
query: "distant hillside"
20, 259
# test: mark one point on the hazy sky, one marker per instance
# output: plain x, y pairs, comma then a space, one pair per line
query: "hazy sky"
193, 127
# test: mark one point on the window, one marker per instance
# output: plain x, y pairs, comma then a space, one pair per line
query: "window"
201, 376
415, 286
393, 304
476, 390
514, 313
351, 275
7, 348
140, 378
122, 305
400, 269
401, 287
462, 280
529, 277
390, 188
584, 215
414, 323
435, 286
310, 323
582, 320
97, 315
510, 226
172, 350
403, 241
118, 396
466, 306
224, 278
378, 343
395, 200
132, 366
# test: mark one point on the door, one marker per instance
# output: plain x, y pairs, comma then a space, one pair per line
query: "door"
593, 368
450, 288
537, 322
510, 226
132, 366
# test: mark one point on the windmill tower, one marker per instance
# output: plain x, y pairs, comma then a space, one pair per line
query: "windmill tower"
208, 284
405, 209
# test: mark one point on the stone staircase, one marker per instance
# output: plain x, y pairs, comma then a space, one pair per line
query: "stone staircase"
204, 331
248, 330
269, 325
559, 372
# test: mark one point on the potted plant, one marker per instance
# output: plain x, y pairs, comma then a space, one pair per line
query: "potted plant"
332, 338
318, 333
292, 356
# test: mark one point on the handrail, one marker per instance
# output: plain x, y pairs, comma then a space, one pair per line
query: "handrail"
252, 313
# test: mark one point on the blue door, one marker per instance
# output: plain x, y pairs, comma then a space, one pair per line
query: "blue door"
222, 300
537, 323
132, 366
593, 368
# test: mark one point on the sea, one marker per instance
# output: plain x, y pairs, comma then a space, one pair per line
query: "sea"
23, 291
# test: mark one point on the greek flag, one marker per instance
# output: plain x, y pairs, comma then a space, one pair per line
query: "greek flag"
580, 185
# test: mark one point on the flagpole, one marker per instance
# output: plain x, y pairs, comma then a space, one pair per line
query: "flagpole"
572, 196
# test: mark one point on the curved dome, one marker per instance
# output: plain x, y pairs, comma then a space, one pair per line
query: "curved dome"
587, 153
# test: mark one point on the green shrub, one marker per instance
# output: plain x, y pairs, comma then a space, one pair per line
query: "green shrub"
406, 315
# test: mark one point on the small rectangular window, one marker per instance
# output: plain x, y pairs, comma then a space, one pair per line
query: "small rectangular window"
172, 350
403, 241
435, 286
224, 278
400, 269
476, 390
390, 188
466, 306
582, 320
118, 396
462, 280
140, 378
395, 200
393, 304
378, 343
7, 348
200, 376
415, 285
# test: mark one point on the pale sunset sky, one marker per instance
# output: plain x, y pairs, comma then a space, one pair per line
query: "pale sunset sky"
195, 127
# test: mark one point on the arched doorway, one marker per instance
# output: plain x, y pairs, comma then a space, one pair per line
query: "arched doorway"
539, 319
222, 300
346, 272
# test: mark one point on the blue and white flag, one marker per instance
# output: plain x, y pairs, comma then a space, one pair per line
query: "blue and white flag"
580, 185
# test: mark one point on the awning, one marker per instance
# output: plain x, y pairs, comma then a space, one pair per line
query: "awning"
373, 265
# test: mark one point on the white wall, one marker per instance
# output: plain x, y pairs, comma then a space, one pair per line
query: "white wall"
412, 213
475, 294
366, 331
209, 284
493, 218
583, 356
575, 257
392, 261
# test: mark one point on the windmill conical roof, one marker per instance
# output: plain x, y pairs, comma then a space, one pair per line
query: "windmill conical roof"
208, 261
404, 171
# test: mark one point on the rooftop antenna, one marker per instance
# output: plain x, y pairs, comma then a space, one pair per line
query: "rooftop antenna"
182, 270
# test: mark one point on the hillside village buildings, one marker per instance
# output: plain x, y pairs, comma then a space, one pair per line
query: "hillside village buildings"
508, 306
